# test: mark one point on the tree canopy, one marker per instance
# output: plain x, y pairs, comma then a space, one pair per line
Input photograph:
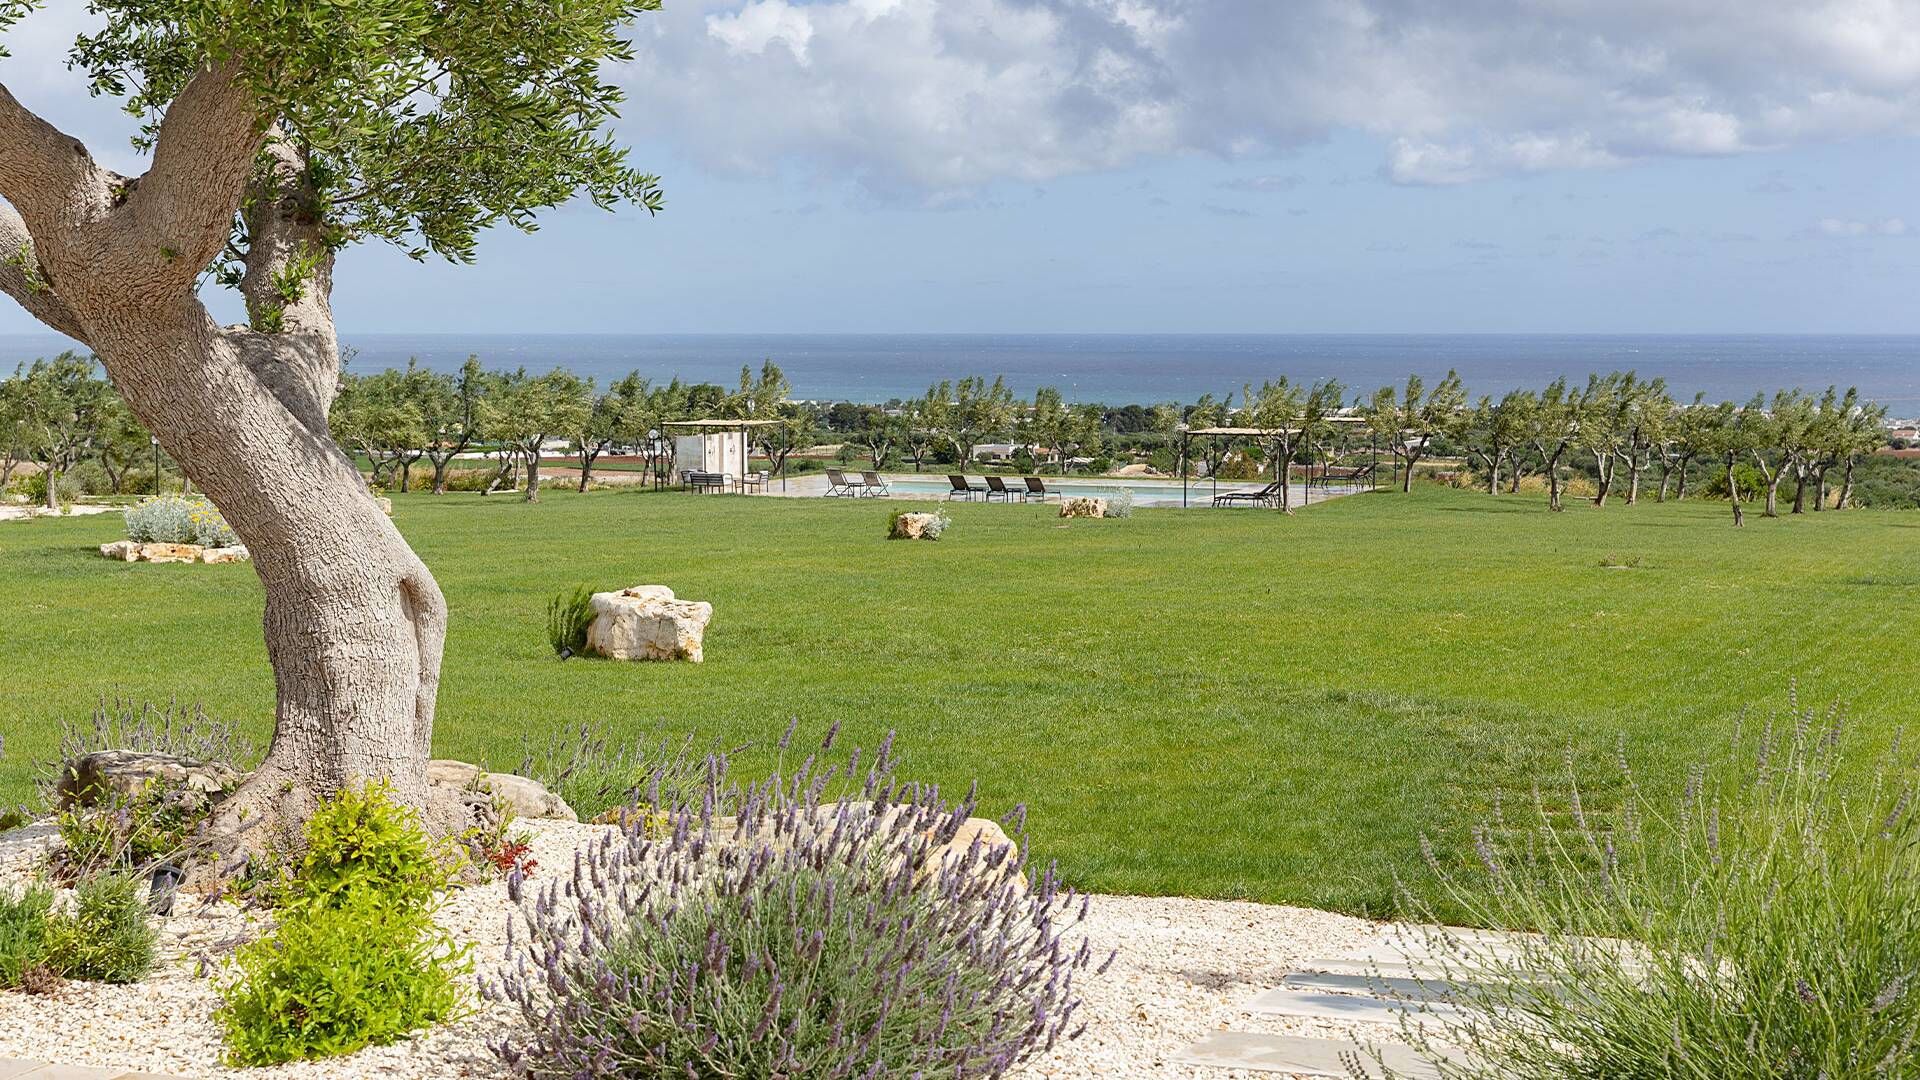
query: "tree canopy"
423, 122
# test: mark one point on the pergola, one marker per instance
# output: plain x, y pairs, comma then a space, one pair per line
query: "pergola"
742, 427
1255, 433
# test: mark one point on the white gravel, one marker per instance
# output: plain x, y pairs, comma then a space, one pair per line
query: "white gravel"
1186, 968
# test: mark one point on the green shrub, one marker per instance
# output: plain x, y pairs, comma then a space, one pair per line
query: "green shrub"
1882, 482
159, 823
1753, 482
1763, 926
34, 486
23, 934
332, 980
107, 937
178, 519
357, 959
569, 615
363, 841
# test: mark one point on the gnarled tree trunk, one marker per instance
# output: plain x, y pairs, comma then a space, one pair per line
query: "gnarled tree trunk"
354, 622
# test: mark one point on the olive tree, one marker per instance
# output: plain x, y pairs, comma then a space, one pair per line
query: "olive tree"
969, 412
13, 428
278, 134
1410, 419
65, 407
449, 411
1553, 426
1279, 408
525, 412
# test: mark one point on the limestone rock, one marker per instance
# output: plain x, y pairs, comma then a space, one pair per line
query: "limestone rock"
170, 552
997, 849
527, 798
236, 553
1081, 506
1138, 468
915, 526
123, 550
385, 504
126, 773
648, 623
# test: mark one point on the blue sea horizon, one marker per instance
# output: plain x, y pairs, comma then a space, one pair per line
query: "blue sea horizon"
1119, 369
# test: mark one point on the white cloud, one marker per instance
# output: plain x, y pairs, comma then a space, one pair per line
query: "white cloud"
1265, 184
928, 95
928, 98
1845, 227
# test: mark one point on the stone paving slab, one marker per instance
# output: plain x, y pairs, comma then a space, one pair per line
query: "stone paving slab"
1306, 1057
1341, 983
1393, 969
1369, 1010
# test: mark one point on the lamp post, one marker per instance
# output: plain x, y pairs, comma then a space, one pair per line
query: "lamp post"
155, 440
1182, 429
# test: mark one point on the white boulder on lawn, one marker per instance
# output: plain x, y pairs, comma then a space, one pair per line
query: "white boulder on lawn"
647, 622
1082, 506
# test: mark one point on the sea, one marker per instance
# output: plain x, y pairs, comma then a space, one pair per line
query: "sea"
1119, 369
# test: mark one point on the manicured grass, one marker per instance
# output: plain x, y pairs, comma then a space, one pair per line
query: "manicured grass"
1226, 704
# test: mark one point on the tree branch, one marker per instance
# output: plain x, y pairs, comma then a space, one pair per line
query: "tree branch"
181, 211
22, 278
288, 281
41, 167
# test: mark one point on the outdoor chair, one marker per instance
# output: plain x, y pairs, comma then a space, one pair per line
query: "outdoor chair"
962, 489
1037, 490
755, 481
875, 485
838, 484
1266, 495
701, 482
997, 486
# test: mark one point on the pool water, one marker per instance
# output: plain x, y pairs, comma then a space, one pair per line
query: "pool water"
1145, 492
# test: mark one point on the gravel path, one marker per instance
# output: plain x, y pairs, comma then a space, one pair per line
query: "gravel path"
1186, 968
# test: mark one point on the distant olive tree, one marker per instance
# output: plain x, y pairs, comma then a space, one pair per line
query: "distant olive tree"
1409, 419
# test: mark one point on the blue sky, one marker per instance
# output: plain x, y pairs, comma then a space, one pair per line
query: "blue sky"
1208, 165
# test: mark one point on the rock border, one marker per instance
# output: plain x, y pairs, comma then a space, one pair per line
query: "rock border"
134, 551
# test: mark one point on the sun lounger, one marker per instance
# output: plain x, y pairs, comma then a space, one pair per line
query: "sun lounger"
838, 484
1036, 489
875, 485
962, 489
1265, 496
997, 486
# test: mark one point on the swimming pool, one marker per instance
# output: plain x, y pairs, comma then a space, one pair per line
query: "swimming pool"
1145, 492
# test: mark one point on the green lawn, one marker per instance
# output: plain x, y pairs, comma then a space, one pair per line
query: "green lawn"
1226, 704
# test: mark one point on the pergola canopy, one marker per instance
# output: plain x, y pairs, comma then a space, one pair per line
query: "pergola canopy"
1270, 432
727, 425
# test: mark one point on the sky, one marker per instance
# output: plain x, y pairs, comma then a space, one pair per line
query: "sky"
1244, 166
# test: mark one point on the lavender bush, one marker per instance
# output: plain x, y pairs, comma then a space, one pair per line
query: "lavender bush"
186, 731
657, 772
807, 937
1764, 926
